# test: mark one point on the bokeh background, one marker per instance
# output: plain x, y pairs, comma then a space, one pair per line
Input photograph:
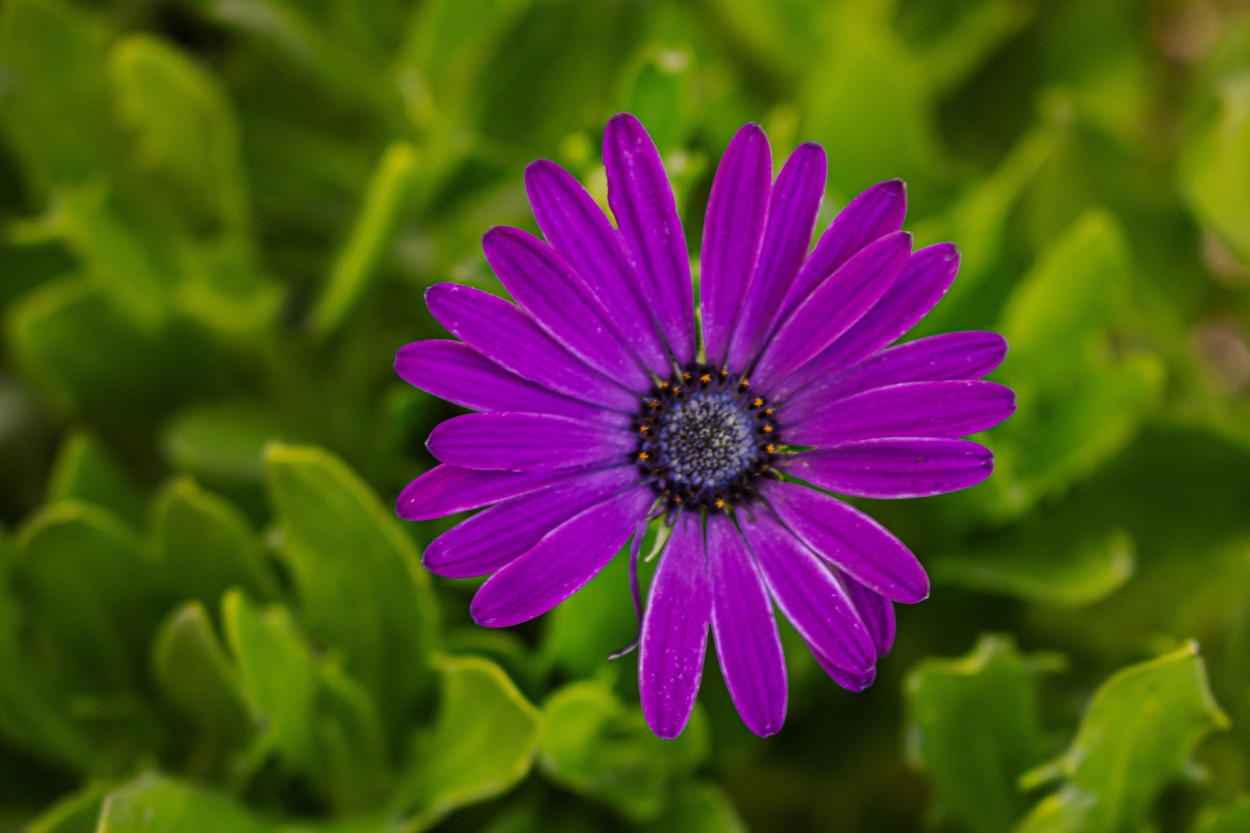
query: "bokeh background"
217, 219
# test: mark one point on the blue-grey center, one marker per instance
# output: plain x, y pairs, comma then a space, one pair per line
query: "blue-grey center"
705, 438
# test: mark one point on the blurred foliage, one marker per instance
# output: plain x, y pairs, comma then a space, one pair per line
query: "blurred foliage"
217, 218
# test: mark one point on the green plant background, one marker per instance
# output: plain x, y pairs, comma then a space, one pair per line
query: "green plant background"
217, 218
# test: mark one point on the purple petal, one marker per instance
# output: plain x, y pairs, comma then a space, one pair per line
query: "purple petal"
498, 535
503, 333
877, 612
940, 358
847, 679
791, 220
924, 280
526, 442
808, 594
747, 641
918, 409
458, 373
873, 214
732, 231
853, 542
561, 563
573, 223
895, 467
445, 490
674, 630
646, 212
835, 305
562, 304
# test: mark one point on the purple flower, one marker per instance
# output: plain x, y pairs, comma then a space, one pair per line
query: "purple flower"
604, 402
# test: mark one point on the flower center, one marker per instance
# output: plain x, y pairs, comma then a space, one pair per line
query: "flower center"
705, 438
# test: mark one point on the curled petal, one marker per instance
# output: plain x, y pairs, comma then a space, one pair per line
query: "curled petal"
849, 680
877, 612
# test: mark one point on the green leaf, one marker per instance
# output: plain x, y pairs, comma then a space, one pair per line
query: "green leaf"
449, 45
599, 748
356, 572
1216, 166
482, 743
351, 744
371, 237
660, 91
861, 65
85, 470
698, 808
1234, 818
84, 353
1040, 568
126, 257
156, 804
184, 131
978, 221
592, 624
321, 721
207, 546
1058, 316
30, 716
1136, 736
197, 678
222, 444
973, 726
1080, 400
970, 37
54, 103
90, 585
74, 813
278, 675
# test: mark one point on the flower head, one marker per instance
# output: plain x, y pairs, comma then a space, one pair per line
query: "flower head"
604, 403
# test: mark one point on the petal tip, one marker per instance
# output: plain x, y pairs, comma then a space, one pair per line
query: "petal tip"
624, 125
667, 729
540, 176
766, 729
